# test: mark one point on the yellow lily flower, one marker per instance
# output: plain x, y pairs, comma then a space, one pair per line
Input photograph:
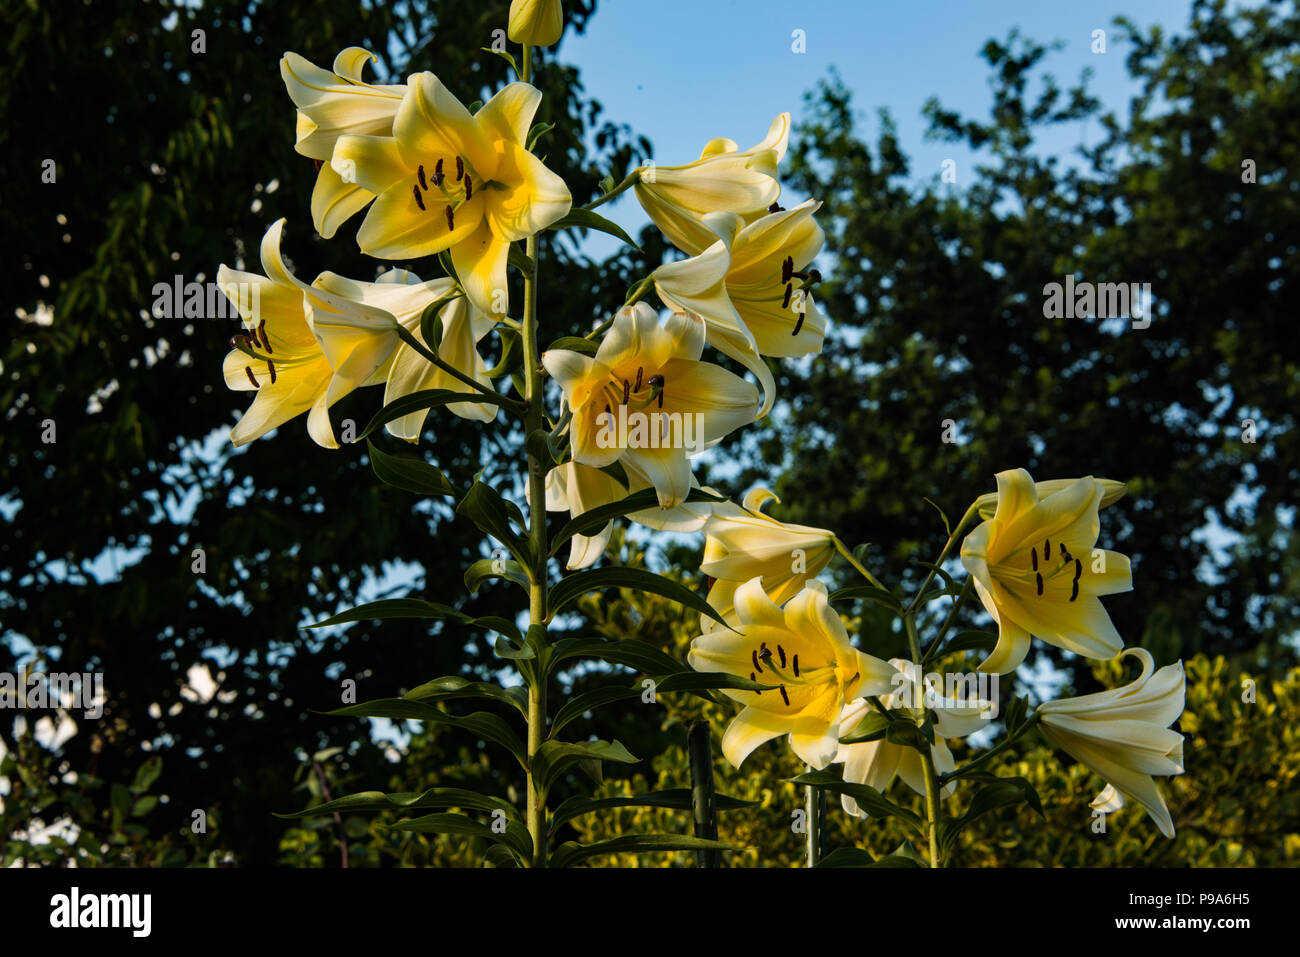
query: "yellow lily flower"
322, 341
742, 542
724, 179
877, 763
802, 648
537, 23
1112, 492
648, 401
1124, 735
446, 180
329, 106
576, 488
753, 288
1037, 571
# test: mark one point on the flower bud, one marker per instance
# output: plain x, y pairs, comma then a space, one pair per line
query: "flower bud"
537, 23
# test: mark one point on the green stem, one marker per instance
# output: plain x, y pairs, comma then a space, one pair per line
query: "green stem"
943, 555
451, 370
537, 591
992, 753
936, 646
628, 182
927, 759
843, 550
812, 811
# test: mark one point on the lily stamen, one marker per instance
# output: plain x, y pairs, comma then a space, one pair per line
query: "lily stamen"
252, 378
419, 199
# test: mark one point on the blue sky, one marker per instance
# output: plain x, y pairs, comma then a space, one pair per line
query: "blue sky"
684, 71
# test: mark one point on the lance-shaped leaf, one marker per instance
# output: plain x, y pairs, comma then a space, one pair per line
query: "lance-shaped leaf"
515, 835
868, 798
630, 652
554, 757
429, 399
870, 728
587, 347
675, 798
489, 727
567, 589
870, 593
998, 792
857, 857
408, 472
586, 219
571, 852
594, 519
486, 568
454, 686
485, 507
417, 608
368, 802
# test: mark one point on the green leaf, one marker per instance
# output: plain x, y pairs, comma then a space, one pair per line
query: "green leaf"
996, 794
870, 728
868, 798
365, 802
486, 568
1016, 713
857, 857
586, 219
870, 593
520, 260
416, 608
695, 681
515, 836
970, 641
485, 507
146, 775
676, 798
571, 853
505, 55
488, 726
580, 704
567, 589
451, 687
594, 519
630, 652
950, 586
409, 473
431, 320
537, 132
908, 735
575, 344
512, 353
947, 526
541, 445
554, 757
428, 399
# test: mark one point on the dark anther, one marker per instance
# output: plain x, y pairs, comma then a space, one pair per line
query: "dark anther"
451, 218
795, 662
627, 391
1078, 569
657, 382
798, 324
814, 277
271, 365
252, 378
1074, 592
781, 651
776, 208
764, 651
787, 269
640, 370
419, 172
469, 187
460, 169
266, 340
785, 301
753, 656
608, 410
238, 340
437, 176
1033, 553
785, 697
419, 200
1040, 583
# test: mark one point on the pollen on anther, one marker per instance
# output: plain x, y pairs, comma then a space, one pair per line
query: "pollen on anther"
266, 340
469, 187
787, 268
785, 697
798, 324
785, 301
795, 663
639, 372
420, 173
451, 218
1078, 569
1047, 548
252, 378
781, 651
627, 391
1033, 553
1040, 583
271, 366
1074, 591
419, 200
460, 169
753, 656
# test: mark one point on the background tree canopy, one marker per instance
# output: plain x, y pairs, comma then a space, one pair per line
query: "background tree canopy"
170, 162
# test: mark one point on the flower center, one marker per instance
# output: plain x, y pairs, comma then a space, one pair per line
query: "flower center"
807, 281
452, 195
1056, 562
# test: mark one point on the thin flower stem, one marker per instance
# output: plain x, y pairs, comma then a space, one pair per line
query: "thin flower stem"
843, 550
990, 754
537, 592
927, 759
943, 555
936, 645
451, 370
628, 182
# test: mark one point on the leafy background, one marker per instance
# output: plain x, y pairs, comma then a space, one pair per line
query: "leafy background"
170, 162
